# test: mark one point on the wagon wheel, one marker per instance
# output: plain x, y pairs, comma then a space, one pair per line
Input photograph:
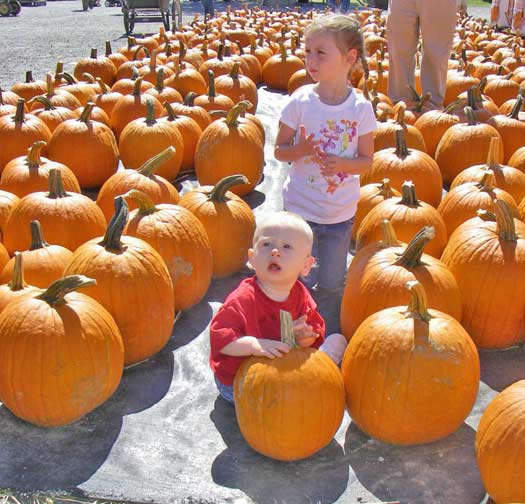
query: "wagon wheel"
5, 10
15, 7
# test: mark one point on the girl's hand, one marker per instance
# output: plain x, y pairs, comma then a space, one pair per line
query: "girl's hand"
330, 163
306, 144
269, 348
304, 334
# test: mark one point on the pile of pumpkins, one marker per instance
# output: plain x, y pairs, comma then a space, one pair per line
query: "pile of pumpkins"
439, 233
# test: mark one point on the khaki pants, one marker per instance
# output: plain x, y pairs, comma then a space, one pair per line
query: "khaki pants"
435, 20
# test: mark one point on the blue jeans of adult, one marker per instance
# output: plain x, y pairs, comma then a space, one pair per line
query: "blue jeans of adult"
208, 8
330, 249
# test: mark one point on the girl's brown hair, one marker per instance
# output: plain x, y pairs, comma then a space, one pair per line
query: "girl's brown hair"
346, 31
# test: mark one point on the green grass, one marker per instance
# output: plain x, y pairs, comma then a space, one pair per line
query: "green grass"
477, 3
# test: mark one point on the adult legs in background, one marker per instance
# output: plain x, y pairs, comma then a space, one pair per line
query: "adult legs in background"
437, 21
208, 8
402, 27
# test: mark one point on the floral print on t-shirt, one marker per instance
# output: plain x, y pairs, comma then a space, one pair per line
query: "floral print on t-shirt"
335, 138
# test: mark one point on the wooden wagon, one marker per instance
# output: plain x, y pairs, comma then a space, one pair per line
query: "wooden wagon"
136, 11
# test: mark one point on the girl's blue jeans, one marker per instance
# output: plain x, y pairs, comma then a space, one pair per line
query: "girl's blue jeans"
330, 249
225, 391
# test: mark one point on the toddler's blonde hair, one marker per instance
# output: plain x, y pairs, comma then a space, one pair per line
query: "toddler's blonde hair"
346, 31
284, 220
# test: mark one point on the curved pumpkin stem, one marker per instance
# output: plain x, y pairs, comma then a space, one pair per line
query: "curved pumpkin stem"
189, 99
492, 156
37, 237
150, 166
408, 194
488, 181
33, 159
506, 228
232, 119
44, 100
86, 113
144, 202
17, 282
411, 257
287, 334
418, 306
56, 188
514, 113
112, 237
54, 294
218, 193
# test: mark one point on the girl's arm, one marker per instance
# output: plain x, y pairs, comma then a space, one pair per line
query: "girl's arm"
287, 150
331, 164
250, 345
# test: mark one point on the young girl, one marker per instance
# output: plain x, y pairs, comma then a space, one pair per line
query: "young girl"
326, 133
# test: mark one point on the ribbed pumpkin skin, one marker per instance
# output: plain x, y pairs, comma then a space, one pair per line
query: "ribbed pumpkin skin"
157, 188
224, 150
432, 125
408, 382
181, 240
74, 353
134, 285
490, 273
229, 225
68, 221
290, 407
7, 202
89, 149
500, 445
377, 282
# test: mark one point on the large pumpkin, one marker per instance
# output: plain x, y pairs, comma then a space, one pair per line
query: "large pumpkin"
289, 407
228, 221
230, 146
411, 374
133, 284
180, 239
500, 445
62, 361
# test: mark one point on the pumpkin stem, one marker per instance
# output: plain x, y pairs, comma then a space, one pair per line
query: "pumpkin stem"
145, 203
492, 156
136, 86
37, 237
211, 84
385, 189
112, 237
411, 257
388, 235
19, 118
17, 282
150, 112
487, 181
33, 159
56, 188
236, 111
218, 193
234, 72
418, 306
408, 194
150, 166
86, 113
505, 226
287, 334
159, 81
44, 100
190, 98
486, 215
401, 143
471, 117
514, 113
54, 294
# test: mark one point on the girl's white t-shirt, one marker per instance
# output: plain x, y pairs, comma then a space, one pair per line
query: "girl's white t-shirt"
318, 198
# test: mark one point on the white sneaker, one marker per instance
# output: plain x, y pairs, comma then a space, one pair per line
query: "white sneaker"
334, 346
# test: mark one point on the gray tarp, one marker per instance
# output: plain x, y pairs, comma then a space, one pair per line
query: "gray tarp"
165, 436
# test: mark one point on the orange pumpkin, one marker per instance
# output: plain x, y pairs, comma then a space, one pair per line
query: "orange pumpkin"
17, 286
73, 348
411, 373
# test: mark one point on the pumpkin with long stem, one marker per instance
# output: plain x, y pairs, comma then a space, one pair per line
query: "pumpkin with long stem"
97, 66
180, 239
67, 218
52, 115
228, 221
289, 407
43, 263
236, 85
105, 98
133, 284
56, 96
64, 360
376, 281
30, 87
213, 100
278, 69
30, 173
230, 146
488, 261
144, 179
188, 108
500, 445
411, 373
17, 286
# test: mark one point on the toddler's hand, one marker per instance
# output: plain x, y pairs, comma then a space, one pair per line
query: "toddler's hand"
306, 144
269, 348
303, 332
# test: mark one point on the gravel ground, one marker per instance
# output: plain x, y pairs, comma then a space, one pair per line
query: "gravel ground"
40, 36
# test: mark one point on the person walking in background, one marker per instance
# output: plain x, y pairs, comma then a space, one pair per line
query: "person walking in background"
501, 13
326, 133
435, 21
208, 8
